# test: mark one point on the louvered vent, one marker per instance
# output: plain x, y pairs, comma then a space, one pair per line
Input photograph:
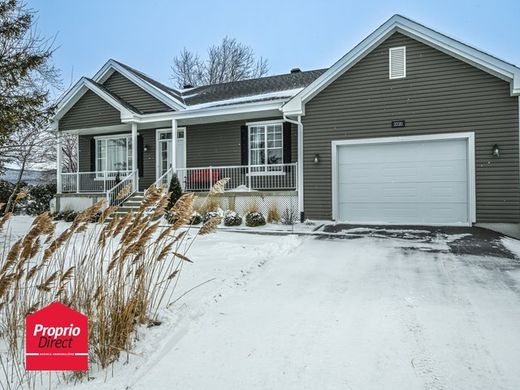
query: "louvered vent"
397, 59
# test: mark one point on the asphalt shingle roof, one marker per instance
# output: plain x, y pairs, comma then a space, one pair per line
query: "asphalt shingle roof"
243, 89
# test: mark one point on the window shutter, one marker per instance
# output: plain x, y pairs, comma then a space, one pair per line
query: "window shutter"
92, 155
397, 60
140, 155
286, 142
244, 145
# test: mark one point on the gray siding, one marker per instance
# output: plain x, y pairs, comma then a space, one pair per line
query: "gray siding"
440, 94
89, 111
218, 144
134, 95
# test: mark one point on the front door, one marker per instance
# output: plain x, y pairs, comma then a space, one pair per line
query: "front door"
165, 153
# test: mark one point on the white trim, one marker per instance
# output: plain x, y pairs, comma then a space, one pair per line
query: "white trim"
128, 136
112, 65
261, 123
469, 136
390, 51
113, 136
398, 23
78, 90
264, 124
157, 152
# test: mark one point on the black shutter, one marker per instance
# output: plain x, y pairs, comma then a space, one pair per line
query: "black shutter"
92, 155
286, 142
244, 145
140, 156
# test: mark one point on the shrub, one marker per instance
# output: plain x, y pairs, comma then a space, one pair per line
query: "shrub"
210, 214
6, 189
231, 218
252, 207
39, 198
273, 215
196, 218
175, 191
255, 219
289, 217
212, 203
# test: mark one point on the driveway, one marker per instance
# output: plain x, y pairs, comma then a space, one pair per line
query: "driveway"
401, 309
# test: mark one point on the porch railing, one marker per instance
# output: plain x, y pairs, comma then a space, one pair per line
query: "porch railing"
90, 181
122, 190
164, 180
241, 177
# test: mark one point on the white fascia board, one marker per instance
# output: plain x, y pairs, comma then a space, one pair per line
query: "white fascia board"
414, 30
78, 90
208, 112
111, 66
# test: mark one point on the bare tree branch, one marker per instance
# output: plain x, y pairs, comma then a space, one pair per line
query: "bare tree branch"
228, 61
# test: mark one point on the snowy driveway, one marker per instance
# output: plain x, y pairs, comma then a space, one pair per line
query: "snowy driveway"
365, 313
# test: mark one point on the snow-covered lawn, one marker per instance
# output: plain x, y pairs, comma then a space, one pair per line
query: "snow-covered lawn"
288, 312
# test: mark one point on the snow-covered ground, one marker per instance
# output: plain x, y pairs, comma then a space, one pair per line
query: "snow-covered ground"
288, 312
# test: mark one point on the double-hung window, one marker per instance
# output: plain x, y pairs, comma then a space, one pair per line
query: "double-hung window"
113, 155
266, 147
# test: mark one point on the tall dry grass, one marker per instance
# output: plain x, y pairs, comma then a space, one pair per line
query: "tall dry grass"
118, 273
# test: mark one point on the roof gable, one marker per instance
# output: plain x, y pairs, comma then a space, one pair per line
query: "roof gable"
134, 95
398, 23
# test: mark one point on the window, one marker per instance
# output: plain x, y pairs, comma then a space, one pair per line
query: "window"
397, 62
113, 154
266, 146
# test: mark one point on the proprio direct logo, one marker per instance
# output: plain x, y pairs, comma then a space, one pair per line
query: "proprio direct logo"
56, 339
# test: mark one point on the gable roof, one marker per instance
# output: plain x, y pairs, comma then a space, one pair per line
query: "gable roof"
398, 23
83, 85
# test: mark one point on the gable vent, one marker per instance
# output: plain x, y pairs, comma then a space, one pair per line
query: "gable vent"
397, 60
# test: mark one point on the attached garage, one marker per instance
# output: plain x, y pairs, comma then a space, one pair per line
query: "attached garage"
421, 180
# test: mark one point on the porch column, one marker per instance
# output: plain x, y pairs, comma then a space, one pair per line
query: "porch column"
134, 155
59, 155
174, 145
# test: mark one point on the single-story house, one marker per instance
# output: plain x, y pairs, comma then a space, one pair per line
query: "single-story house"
409, 127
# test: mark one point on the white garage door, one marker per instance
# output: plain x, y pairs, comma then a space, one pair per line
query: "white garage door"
422, 182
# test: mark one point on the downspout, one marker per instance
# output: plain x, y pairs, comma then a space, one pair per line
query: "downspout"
299, 165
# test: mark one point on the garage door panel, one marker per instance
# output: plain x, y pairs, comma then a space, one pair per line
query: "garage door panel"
404, 182
401, 192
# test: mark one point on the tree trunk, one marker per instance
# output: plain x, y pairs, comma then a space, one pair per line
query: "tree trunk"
11, 202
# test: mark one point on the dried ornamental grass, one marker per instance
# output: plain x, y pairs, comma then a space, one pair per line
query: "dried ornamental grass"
118, 273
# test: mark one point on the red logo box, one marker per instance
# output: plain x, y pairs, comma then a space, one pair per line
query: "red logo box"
56, 339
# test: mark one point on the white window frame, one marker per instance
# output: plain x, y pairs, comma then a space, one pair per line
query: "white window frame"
263, 169
100, 175
392, 49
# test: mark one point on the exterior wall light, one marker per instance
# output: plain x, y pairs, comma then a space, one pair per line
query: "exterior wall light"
496, 151
146, 148
316, 158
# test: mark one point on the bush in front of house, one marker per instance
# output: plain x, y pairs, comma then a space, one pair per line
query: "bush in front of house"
254, 219
211, 214
65, 215
231, 218
175, 191
196, 219
39, 198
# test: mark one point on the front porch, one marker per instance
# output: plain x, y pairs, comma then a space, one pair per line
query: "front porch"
242, 178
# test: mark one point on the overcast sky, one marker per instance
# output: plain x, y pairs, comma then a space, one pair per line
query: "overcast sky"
147, 34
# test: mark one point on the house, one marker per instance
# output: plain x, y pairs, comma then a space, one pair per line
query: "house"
409, 127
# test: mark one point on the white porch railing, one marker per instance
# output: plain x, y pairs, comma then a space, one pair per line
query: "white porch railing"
90, 181
241, 177
164, 180
122, 190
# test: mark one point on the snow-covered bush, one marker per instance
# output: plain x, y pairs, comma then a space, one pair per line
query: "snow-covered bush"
64, 215
289, 217
255, 219
39, 198
231, 218
196, 218
211, 214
